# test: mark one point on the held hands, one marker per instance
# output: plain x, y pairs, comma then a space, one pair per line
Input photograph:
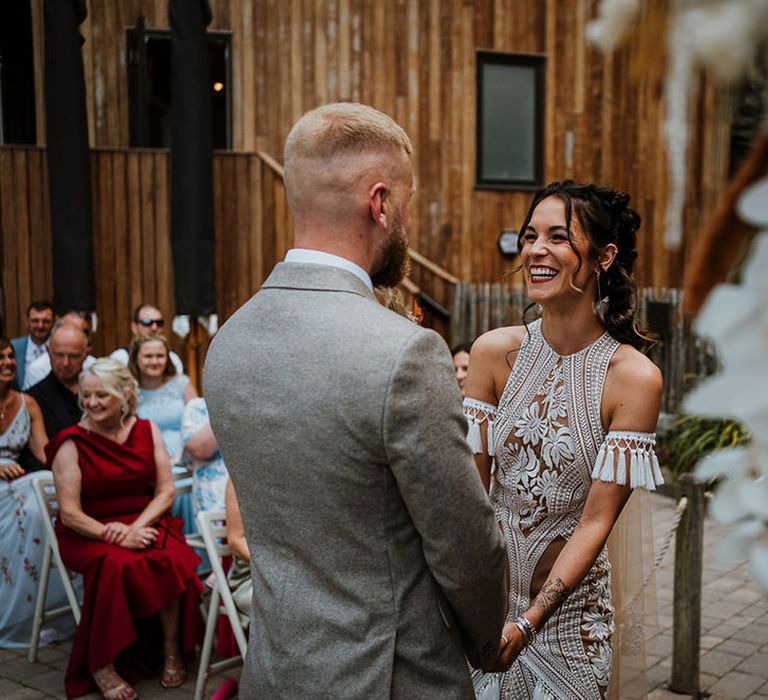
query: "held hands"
129, 536
509, 650
10, 471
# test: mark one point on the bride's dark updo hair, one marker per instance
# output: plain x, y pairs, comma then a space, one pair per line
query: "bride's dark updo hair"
605, 217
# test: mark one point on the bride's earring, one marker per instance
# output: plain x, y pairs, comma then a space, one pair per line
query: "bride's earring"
600, 305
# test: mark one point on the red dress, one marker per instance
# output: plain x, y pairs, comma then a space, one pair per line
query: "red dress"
124, 588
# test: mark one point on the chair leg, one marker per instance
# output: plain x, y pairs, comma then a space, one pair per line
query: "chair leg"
69, 589
42, 594
205, 653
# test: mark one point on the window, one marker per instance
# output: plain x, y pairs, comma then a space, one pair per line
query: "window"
17, 80
510, 121
149, 83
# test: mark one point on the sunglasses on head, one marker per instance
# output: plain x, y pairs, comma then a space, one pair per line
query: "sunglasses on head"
147, 322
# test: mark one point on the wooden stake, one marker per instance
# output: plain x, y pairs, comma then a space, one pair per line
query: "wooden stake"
686, 630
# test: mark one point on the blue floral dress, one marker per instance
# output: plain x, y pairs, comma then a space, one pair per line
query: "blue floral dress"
22, 545
209, 476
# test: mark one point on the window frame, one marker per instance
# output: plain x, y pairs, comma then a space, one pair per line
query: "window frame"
538, 63
137, 82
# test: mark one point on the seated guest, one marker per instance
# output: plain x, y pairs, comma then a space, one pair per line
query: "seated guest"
163, 392
114, 483
147, 319
57, 393
209, 474
40, 368
460, 356
240, 574
29, 347
22, 538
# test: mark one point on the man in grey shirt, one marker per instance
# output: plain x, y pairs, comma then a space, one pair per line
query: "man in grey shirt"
376, 559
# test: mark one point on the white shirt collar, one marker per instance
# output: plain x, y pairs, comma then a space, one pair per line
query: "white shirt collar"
318, 257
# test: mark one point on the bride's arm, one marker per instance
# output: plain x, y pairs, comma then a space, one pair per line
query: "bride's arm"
490, 361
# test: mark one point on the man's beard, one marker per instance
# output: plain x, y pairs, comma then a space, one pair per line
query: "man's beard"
395, 262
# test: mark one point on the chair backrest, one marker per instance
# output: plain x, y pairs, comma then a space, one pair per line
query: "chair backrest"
182, 479
45, 492
213, 528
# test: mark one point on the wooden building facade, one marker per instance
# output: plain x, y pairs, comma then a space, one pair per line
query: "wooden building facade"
414, 59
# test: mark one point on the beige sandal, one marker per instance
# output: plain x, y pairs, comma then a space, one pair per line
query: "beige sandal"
112, 687
174, 673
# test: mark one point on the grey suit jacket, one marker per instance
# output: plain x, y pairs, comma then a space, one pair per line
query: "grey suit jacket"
374, 548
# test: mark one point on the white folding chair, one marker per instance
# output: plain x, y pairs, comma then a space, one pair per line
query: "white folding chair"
214, 532
45, 493
182, 482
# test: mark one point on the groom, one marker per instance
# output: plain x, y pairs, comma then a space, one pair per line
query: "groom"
377, 563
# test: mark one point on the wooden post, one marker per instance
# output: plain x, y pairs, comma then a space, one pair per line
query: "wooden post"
686, 630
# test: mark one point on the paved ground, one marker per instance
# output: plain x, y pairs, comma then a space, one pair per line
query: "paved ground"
734, 661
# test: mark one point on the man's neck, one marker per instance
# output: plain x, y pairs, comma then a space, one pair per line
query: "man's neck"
70, 385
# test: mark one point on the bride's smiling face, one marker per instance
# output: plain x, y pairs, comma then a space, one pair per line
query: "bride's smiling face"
550, 259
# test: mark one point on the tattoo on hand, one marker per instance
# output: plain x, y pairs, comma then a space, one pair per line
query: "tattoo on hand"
550, 596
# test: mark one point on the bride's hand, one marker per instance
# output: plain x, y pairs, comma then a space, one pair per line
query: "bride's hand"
510, 650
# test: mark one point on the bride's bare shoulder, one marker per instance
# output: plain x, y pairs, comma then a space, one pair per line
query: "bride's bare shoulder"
499, 342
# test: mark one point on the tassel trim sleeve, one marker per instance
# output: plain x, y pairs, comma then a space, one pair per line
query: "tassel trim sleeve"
478, 412
629, 457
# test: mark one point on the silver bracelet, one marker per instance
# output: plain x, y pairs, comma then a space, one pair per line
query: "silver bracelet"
524, 625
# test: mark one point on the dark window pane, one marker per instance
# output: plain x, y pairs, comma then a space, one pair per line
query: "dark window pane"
510, 120
17, 79
150, 95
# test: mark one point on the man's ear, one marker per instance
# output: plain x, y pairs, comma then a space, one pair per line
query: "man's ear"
377, 204
606, 258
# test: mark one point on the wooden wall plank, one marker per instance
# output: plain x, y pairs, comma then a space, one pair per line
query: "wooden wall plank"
39, 232
13, 319
20, 179
121, 260
415, 59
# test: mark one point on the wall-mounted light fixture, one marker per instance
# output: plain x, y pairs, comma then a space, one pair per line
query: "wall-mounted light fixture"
507, 243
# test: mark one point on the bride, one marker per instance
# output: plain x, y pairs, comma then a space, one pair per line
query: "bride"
568, 406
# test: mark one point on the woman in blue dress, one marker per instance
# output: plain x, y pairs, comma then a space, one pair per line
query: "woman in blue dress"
209, 474
163, 394
22, 537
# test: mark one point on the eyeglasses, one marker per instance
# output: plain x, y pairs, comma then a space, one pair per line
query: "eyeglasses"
147, 322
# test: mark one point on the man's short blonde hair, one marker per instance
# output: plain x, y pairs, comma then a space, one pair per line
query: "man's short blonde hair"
344, 127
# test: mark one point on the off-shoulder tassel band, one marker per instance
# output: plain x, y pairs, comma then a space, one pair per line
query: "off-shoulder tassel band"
611, 463
477, 412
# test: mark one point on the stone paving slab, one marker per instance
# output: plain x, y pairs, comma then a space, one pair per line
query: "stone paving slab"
734, 660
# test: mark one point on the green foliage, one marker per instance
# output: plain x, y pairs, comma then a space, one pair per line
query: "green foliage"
693, 437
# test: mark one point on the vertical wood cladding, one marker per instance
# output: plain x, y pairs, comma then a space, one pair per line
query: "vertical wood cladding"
414, 59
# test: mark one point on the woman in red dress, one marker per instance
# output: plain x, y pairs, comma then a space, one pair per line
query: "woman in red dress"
114, 484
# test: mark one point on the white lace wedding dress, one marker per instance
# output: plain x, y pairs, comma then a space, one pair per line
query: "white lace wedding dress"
549, 444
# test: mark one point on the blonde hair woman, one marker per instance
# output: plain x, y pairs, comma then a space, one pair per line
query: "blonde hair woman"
113, 479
